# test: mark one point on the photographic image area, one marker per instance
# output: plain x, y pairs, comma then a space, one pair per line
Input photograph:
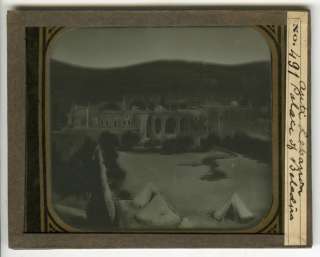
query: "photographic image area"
160, 129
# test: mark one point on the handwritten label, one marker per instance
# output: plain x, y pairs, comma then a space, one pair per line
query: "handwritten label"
296, 129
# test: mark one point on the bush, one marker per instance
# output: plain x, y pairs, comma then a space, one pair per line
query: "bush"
152, 143
76, 175
178, 144
129, 139
108, 143
108, 140
253, 147
242, 143
211, 140
185, 143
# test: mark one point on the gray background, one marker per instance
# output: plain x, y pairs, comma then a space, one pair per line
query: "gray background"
116, 47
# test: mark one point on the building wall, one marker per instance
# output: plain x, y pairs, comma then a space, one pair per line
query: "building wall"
166, 125
159, 125
228, 121
163, 124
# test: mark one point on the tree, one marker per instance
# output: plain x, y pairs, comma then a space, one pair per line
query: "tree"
75, 175
129, 139
101, 210
210, 141
178, 145
109, 143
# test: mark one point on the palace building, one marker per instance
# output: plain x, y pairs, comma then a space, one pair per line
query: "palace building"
170, 120
158, 123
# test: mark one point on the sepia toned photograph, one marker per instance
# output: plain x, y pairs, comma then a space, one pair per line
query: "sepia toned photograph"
157, 129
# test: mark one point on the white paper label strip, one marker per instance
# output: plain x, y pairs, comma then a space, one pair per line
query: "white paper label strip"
296, 130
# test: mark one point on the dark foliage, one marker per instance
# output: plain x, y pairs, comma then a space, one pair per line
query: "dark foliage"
107, 140
129, 139
80, 174
210, 141
152, 143
253, 147
124, 194
76, 175
214, 173
109, 143
241, 143
177, 145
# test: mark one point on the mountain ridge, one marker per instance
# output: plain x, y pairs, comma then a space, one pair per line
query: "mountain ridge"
157, 61
69, 84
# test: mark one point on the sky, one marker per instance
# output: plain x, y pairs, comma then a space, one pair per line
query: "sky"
119, 47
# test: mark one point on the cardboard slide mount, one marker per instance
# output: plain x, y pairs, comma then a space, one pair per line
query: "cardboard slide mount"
290, 32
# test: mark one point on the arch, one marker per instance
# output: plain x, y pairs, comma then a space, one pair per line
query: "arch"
170, 126
149, 127
157, 125
184, 124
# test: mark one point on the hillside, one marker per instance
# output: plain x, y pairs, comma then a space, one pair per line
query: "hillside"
72, 84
